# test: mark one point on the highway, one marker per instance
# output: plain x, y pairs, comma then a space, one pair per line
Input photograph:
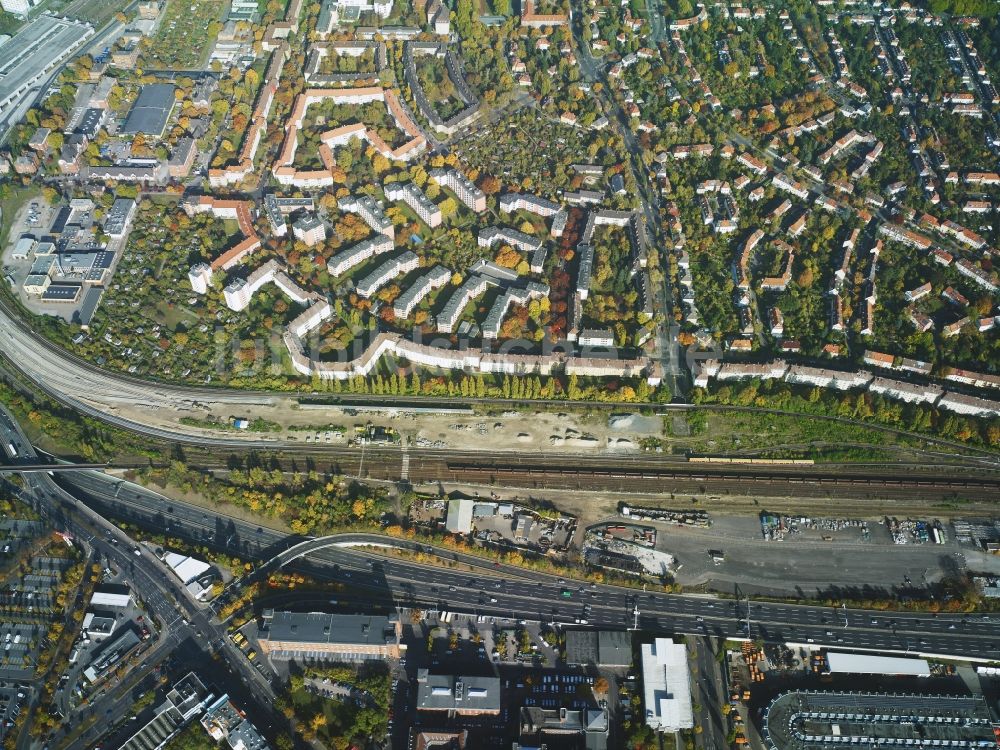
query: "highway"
180, 619
539, 596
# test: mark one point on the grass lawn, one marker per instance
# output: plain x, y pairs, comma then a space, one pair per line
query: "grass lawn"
727, 432
11, 204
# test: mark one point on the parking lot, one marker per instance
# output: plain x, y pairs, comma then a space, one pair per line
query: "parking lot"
812, 561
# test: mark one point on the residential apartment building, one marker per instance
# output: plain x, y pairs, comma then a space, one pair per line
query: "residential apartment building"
434, 278
345, 260
415, 198
390, 269
463, 188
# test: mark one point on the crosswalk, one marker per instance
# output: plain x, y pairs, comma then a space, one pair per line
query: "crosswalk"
404, 474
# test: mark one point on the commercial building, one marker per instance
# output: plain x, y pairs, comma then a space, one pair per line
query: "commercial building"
555, 727
601, 648
186, 699
321, 636
666, 680
112, 652
458, 696
817, 720
114, 596
459, 518
98, 625
196, 575
119, 217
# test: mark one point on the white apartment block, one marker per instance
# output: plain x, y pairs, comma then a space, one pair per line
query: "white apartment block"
200, 277
908, 392
511, 202
463, 188
344, 261
523, 242
435, 278
596, 337
239, 292
415, 198
491, 326
371, 211
387, 271
309, 230
470, 289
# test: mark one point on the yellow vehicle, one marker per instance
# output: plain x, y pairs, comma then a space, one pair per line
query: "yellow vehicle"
238, 638
251, 654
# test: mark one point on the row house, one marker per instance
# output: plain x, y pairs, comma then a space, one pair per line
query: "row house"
786, 183
977, 274
905, 236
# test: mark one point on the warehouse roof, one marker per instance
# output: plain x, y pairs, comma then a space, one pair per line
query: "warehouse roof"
870, 664
151, 110
608, 648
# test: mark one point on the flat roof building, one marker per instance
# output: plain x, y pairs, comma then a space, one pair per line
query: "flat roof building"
666, 680
224, 721
456, 695
186, 699
119, 216
874, 664
603, 648
321, 636
459, 518
111, 595
151, 110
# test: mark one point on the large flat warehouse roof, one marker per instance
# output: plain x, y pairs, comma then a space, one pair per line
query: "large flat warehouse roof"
151, 110
871, 664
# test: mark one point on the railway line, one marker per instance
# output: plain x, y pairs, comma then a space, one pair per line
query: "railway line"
99, 393
901, 486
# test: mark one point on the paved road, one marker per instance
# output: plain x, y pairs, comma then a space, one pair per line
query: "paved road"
180, 618
537, 596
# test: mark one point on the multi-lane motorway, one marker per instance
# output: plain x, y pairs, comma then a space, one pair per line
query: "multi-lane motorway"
180, 618
541, 597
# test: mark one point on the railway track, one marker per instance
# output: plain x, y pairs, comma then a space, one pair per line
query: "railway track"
891, 493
